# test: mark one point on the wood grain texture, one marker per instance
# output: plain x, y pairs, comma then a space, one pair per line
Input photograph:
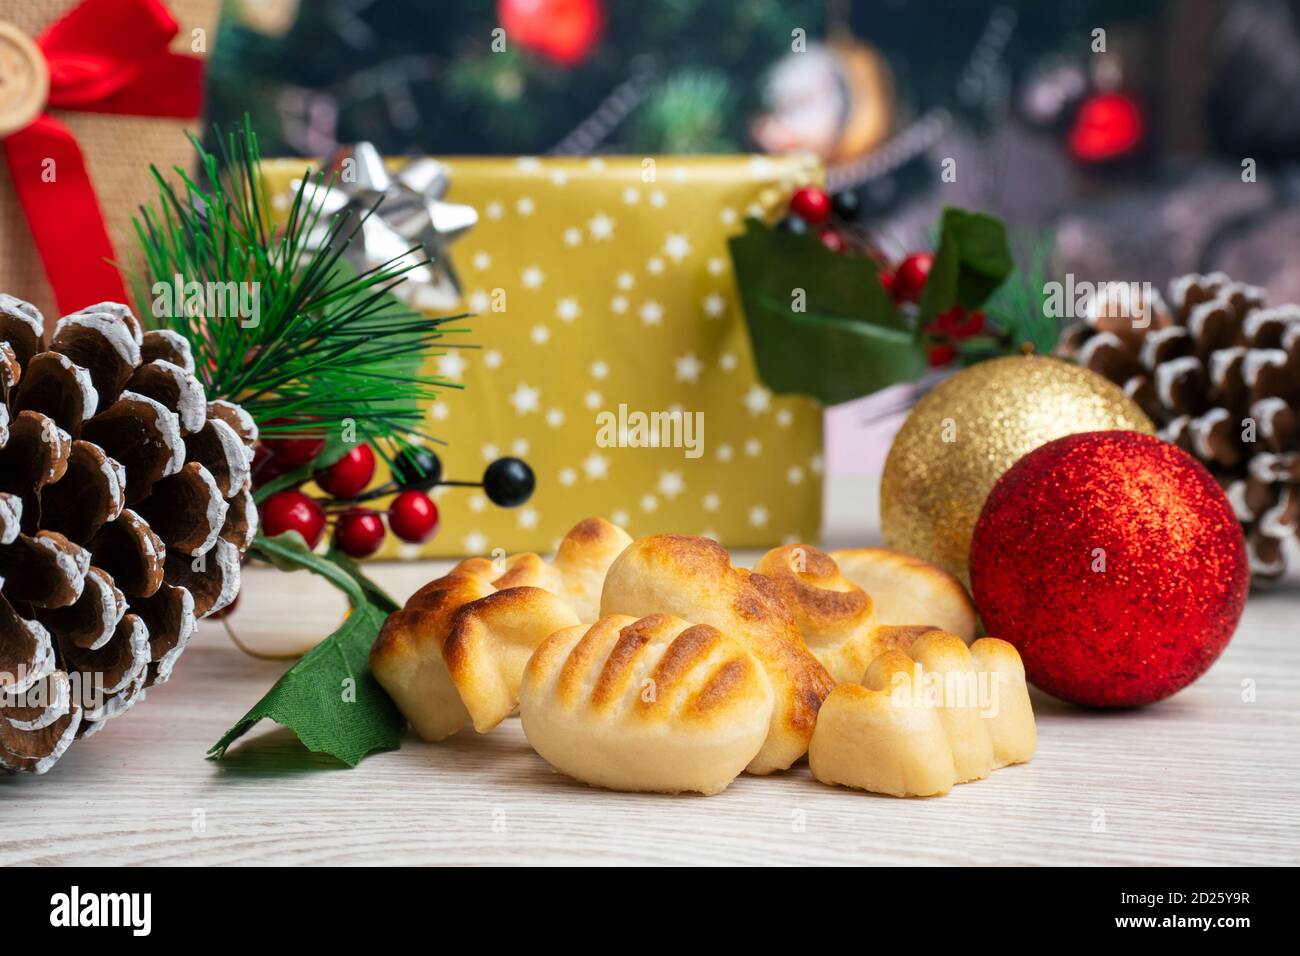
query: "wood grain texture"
1203, 778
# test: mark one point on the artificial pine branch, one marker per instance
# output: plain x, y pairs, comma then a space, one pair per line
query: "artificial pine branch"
330, 346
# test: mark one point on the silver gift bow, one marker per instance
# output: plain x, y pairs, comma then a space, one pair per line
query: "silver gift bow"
411, 214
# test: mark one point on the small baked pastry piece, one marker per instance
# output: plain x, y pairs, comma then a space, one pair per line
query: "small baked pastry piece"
924, 720
909, 591
693, 578
654, 704
836, 617
446, 670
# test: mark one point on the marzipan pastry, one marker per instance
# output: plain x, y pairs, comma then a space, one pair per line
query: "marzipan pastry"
655, 704
924, 720
693, 579
907, 590
836, 617
453, 656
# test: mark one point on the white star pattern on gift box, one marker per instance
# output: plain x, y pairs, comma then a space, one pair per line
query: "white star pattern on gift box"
677, 247
687, 368
451, 366
714, 306
587, 267
651, 312
525, 398
670, 484
673, 274
758, 399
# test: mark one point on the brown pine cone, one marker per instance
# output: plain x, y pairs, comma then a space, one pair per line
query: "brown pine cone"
1219, 373
125, 508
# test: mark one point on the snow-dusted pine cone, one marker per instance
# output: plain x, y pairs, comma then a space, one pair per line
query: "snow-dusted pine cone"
1219, 373
124, 511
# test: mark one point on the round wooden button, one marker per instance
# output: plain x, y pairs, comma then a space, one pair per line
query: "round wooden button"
24, 79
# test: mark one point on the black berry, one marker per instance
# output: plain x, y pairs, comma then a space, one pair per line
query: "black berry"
792, 223
846, 206
508, 482
417, 468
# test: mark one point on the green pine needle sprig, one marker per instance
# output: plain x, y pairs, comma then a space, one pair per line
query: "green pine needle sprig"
327, 348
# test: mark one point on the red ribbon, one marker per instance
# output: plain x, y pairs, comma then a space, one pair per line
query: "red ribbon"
104, 56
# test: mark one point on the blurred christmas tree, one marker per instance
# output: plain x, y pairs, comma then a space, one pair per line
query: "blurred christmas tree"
532, 76
414, 77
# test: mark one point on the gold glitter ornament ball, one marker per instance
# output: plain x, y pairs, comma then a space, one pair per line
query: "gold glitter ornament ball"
962, 436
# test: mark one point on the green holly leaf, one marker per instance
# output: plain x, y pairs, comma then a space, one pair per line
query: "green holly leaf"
820, 324
374, 593
329, 699
972, 260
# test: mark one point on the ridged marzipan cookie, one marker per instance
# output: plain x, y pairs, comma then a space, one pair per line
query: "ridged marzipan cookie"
655, 704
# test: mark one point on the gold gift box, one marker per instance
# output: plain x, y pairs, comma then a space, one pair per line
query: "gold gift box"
613, 357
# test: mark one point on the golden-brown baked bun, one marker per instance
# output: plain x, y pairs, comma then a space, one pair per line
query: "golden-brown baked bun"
908, 591
836, 617
445, 672
693, 579
655, 704
924, 720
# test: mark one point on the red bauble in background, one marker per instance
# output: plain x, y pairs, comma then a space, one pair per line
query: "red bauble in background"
1107, 126
1114, 563
565, 31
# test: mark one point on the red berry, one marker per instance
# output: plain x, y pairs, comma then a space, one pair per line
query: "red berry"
413, 516
811, 204
291, 452
349, 475
940, 355
265, 467
832, 240
946, 322
293, 511
973, 326
359, 532
887, 281
912, 273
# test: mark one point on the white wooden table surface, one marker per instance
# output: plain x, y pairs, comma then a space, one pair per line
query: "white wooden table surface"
1203, 778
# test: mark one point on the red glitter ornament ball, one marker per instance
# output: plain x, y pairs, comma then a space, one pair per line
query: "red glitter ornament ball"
1114, 563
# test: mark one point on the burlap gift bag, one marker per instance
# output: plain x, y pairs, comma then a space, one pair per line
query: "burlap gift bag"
117, 149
